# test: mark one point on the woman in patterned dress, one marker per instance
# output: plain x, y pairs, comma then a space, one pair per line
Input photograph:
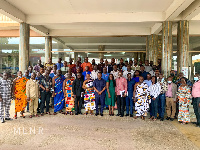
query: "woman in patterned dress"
68, 94
141, 98
19, 85
89, 97
184, 96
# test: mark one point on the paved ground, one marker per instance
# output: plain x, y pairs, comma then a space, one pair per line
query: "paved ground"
90, 132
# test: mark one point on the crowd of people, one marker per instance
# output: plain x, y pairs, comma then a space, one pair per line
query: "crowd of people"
133, 88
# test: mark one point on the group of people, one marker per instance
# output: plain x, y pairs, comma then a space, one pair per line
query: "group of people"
128, 86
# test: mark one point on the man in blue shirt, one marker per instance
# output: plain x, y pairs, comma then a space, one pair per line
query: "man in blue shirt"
86, 72
105, 75
129, 100
26, 74
143, 73
148, 80
59, 64
99, 88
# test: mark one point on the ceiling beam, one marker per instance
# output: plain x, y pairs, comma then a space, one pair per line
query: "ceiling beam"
95, 17
114, 49
191, 11
83, 51
12, 12
156, 28
40, 29
101, 31
57, 39
176, 8
118, 44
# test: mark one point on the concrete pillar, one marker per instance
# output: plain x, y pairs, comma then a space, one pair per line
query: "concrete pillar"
101, 48
135, 55
191, 67
182, 45
142, 57
167, 48
152, 48
24, 47
48, 48
75, 57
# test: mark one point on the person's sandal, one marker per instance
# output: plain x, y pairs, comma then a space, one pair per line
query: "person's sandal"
37, 116
49, 113
22, 116
30, 116
143, 118
54, 113
15, 117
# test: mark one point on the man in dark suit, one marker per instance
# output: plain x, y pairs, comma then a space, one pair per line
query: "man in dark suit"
78, 93
101, 65
109, 67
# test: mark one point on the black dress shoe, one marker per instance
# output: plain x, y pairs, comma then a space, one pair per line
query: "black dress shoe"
101, 114
127, 115
194, 122
8, 119
131, 115
161, 119
96, 114
172, 119
167, 118
121, 116
158, 117
76, 113
118, 115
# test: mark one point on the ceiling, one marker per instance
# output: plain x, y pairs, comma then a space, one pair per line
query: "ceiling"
102, 17
119, 25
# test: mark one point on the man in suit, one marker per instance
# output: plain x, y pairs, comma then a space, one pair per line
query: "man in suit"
78, 93
171, 99
108, 67
99, 88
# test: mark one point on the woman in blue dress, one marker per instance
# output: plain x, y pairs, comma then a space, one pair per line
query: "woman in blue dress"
58, 94
136, 76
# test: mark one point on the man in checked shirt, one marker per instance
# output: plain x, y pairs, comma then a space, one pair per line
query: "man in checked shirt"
5, 97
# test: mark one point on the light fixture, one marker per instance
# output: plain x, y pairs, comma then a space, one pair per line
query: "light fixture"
107, 55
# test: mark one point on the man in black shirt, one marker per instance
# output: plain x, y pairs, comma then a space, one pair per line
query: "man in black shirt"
78, 93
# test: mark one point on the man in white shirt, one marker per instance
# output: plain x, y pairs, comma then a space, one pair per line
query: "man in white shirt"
125, 73
135, 65
147, 67
115, 72
152, 72
94, 73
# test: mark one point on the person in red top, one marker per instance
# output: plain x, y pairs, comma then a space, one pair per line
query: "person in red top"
86, 63
121, 91
72, 66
